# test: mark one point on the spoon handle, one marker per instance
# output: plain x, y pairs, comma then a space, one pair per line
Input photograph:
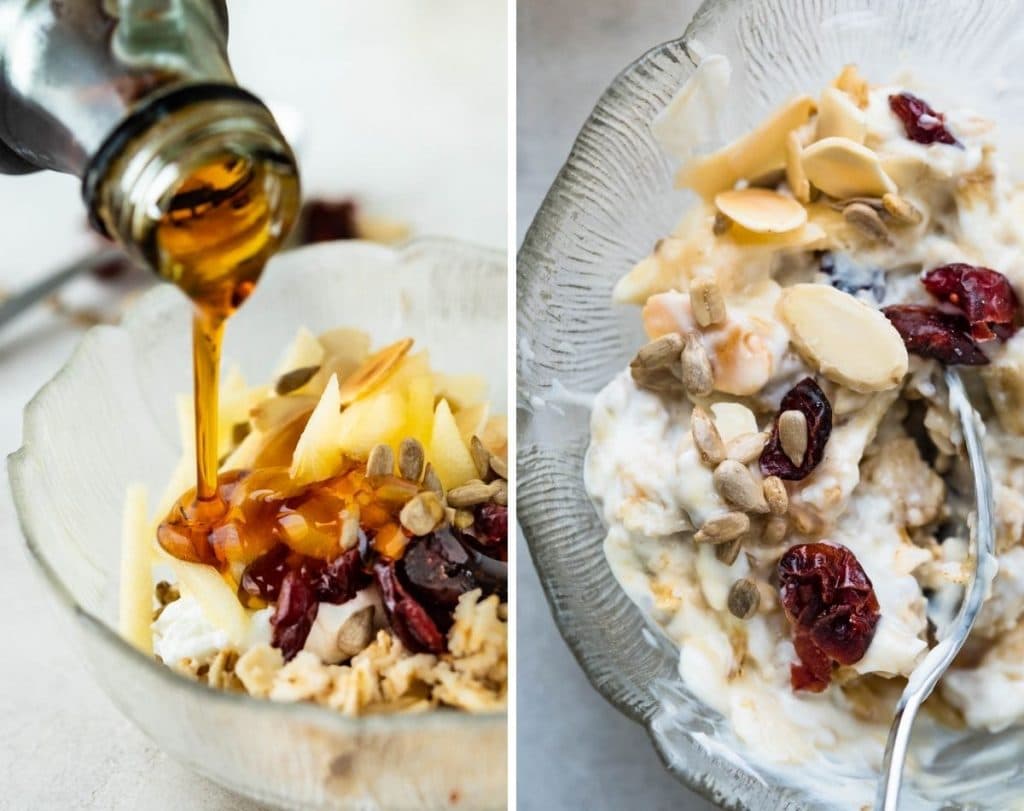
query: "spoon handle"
928, 672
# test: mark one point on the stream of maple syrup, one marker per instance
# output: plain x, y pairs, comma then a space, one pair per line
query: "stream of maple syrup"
214, 241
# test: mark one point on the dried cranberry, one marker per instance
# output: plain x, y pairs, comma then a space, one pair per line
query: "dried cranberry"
931, 333
807, 398
409, 620
920, 121
262, 578
293, 615
492, 523
832, 607
436, 568
983, 295
326, 220
338, 580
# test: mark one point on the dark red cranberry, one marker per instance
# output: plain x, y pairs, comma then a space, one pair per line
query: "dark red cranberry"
262, 578
437, 569
807, 398
293, 615
326, 220
337, 581
832, 608
491, 522
409, 620
920, 121
983, 295
931, 333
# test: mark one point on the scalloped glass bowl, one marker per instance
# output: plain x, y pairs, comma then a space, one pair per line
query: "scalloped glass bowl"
108, 419
610, 203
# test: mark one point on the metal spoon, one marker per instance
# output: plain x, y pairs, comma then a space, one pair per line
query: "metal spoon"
927, 674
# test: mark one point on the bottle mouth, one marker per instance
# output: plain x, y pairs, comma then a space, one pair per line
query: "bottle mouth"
140, 176
135, 126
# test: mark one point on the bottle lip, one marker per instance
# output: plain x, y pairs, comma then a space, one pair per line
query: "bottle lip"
152, 112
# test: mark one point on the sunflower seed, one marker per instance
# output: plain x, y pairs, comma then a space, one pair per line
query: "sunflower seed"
422, 515
744, 599
775, 494
698, 378
295, 379
723, 528
463, 519
728, 552
793, 435
431, 481
499, 466
901, 209
470, 494
411, 459
707, 302
660, 352
866, 220
500, 492
735, 483
775, 529
745, 448
356, 633
481, 457
721, 224
706, 438
381, 461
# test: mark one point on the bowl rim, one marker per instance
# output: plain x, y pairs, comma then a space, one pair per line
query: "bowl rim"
323, 717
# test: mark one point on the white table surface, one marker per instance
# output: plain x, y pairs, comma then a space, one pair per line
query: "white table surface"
404, 104
574, 750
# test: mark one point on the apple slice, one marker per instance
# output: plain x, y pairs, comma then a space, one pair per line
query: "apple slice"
135, 608
471, 421
419, 418
318, 452
375, 420
447, 452
215, 596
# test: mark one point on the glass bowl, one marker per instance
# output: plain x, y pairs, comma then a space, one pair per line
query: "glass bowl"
107, 419
609, 204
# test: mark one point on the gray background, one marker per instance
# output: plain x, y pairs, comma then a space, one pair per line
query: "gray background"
575, 750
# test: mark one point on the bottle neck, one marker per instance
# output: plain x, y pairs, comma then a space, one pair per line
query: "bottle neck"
200, 186
71, 71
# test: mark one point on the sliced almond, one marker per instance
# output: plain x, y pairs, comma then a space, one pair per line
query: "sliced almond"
796, 177
848, 341
733, 420
850, 81
761, 210
843, 168
839, 116
373, 371
757, 153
